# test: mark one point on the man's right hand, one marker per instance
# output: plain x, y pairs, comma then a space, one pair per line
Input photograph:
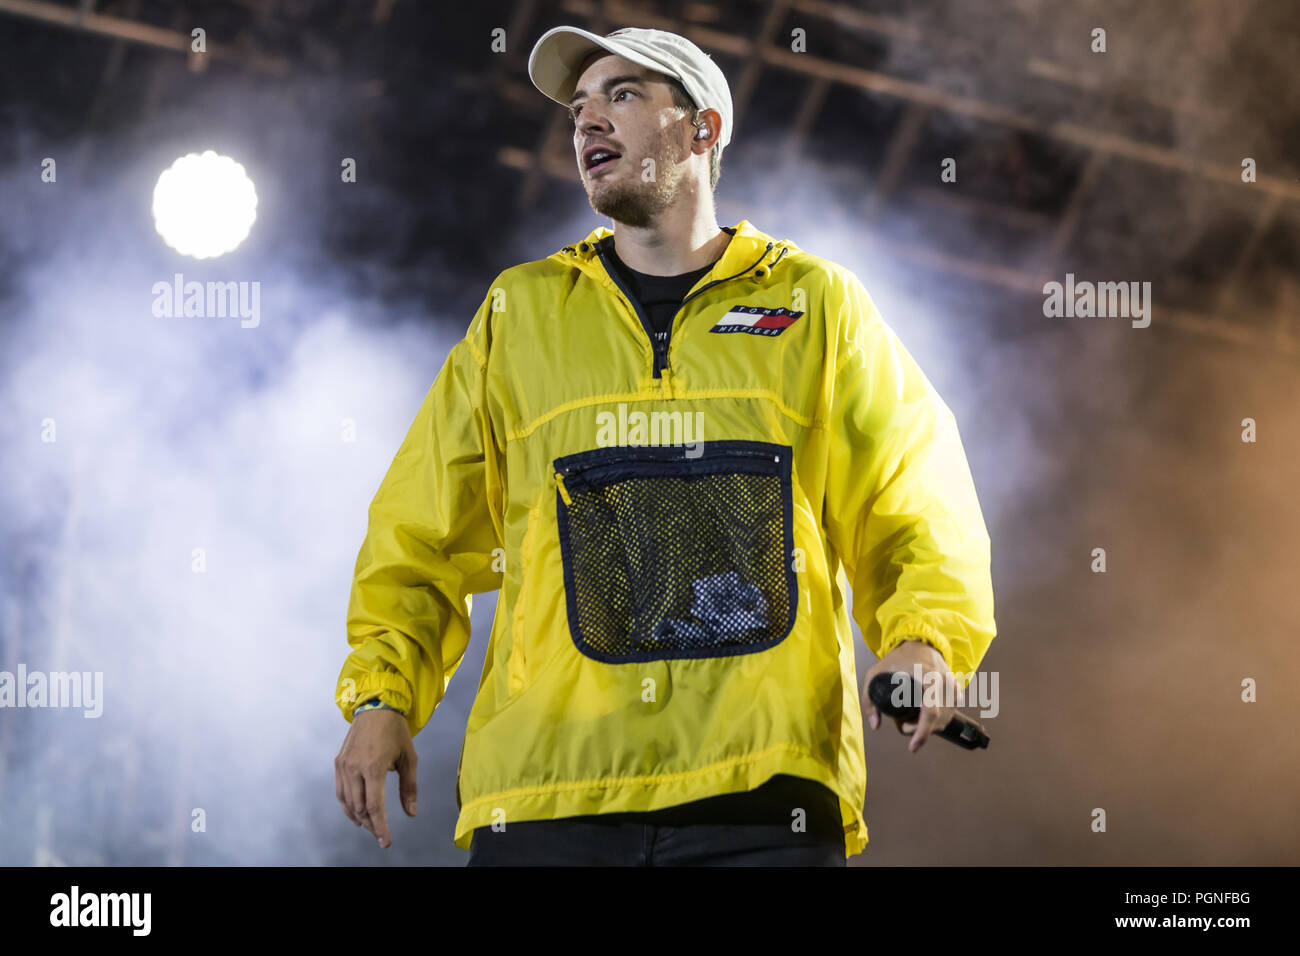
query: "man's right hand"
377, 742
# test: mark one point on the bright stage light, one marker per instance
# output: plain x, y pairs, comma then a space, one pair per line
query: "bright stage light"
204, 205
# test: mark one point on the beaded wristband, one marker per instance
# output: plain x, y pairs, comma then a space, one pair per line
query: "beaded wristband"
373, 704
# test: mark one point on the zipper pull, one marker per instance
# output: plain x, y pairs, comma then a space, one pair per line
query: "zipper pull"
559, 481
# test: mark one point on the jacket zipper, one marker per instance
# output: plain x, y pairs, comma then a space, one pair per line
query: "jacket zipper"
661, 350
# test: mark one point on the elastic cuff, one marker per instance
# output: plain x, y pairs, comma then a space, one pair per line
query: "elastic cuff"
385, 686
909, 629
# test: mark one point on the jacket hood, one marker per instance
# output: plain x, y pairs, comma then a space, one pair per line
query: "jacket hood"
750, 250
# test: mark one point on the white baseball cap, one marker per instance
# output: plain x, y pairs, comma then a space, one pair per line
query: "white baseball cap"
557, 57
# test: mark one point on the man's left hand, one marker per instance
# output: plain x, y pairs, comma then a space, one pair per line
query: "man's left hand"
904, 658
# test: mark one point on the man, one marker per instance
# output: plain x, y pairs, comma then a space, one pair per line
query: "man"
672, 447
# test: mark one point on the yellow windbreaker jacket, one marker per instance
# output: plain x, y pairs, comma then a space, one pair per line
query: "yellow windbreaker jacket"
672, 533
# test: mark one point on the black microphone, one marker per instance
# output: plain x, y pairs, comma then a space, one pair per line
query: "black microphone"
961, 730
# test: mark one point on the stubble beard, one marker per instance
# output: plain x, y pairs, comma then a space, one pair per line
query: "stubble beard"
636, 203
632, 203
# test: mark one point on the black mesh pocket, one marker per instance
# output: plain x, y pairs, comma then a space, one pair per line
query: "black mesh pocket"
667, 556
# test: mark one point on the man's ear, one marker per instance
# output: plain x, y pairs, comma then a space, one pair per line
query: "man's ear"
700, 121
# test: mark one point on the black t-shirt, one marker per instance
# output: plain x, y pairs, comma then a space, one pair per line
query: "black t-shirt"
659, 296
773, 802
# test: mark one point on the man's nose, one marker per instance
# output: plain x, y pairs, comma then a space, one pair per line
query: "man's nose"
591, 119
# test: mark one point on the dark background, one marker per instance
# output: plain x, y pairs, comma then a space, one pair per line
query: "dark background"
1119, 691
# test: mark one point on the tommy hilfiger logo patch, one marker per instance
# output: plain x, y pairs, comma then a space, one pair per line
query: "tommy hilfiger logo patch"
756, 320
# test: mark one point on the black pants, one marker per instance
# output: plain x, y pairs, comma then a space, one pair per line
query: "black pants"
754, 828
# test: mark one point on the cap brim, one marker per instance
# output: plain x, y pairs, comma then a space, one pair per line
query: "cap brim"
556, 57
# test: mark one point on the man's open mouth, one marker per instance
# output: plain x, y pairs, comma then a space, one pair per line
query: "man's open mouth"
600, 159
